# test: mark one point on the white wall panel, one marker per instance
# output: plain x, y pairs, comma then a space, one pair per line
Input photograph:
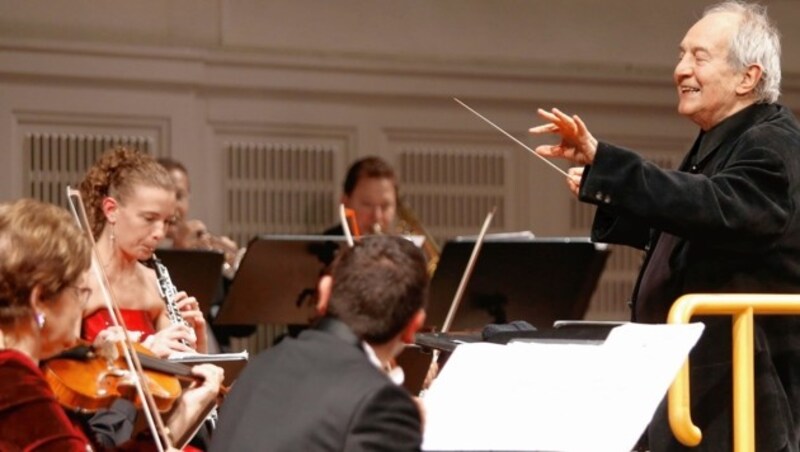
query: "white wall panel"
213, 82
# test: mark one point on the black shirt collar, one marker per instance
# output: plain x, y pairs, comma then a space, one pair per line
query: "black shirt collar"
731, 128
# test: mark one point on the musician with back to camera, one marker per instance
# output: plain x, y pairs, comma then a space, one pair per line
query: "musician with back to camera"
326, 390
726, 221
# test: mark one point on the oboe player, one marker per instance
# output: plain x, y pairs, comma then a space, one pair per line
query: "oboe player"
130, 200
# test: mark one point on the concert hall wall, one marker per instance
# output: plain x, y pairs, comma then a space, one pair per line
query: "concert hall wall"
267, 102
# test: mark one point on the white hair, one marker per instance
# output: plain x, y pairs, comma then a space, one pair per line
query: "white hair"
757, 41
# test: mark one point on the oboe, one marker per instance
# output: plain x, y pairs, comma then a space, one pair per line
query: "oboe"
168, 292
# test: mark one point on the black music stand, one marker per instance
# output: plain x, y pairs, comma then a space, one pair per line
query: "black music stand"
197, 272
277, 280
537, 280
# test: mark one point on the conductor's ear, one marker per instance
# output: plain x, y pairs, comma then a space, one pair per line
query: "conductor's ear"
323, 294
413, 325
750, 78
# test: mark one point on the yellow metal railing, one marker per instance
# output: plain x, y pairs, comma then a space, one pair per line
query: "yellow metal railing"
742, 307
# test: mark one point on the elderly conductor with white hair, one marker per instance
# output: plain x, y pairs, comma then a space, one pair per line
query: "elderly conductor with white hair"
727, 220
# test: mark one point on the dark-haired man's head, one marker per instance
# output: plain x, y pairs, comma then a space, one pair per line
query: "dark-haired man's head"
379, 289
370, 189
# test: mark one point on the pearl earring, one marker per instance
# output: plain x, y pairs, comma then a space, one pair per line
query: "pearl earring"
40, 320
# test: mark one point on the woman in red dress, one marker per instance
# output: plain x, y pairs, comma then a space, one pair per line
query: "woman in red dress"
130, 201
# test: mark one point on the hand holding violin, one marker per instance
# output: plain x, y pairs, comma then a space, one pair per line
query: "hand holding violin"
197, 400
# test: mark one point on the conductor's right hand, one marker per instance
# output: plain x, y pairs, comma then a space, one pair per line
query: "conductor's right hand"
577, 144
574, 179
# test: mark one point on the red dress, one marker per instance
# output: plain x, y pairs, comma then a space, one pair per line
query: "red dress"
135, 320
30, 416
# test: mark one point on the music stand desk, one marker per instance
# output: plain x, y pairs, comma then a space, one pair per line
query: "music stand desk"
532, 279
197, 272
277, 280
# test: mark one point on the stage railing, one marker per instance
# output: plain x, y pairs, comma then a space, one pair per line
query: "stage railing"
742, 307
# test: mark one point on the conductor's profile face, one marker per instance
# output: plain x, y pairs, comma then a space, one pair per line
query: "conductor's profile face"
706, 81
374, 201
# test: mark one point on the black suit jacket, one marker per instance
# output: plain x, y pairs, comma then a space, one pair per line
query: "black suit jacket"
318, 392
727, 221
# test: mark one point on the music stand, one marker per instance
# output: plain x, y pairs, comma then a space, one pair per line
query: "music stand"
197, 272
532, 279
277, 280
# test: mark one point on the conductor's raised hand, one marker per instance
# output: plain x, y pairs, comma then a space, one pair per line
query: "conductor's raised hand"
577, 144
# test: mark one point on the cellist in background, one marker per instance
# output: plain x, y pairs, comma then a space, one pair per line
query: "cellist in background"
44, 262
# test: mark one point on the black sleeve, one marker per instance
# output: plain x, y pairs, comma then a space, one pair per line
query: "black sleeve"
745, 204
113, 426
612, 227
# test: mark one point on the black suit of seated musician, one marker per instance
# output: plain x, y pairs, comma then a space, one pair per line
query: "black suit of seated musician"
325, 390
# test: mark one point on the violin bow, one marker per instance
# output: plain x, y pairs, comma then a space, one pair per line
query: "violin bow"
154, 421
346, 225
462, 285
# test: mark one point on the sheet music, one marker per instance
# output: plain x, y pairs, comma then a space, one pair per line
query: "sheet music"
565, 397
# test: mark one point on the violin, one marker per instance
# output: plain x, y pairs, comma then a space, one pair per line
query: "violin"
86, 381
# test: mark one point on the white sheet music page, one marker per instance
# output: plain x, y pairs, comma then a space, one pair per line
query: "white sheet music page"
555, 397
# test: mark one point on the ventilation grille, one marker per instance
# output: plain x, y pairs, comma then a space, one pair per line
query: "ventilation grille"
278, 188
451, 191
54, 161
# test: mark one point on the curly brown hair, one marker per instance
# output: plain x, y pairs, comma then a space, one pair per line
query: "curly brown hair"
40, 245
116, 173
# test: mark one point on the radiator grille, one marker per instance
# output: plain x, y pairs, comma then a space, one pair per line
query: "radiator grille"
451, 190
53, 161
278, 188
